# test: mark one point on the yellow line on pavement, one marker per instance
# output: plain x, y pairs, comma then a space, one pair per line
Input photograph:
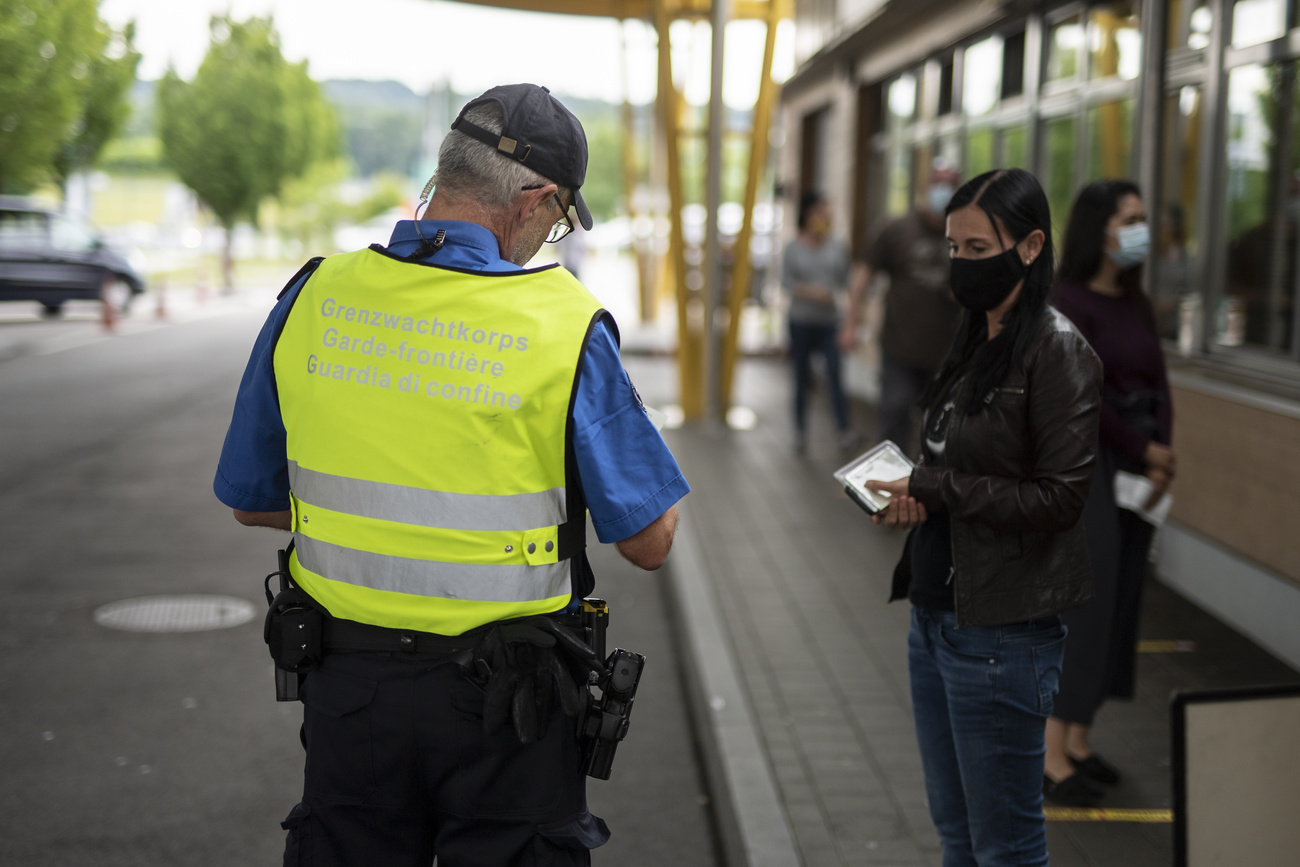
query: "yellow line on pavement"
1098, 814
1154, 646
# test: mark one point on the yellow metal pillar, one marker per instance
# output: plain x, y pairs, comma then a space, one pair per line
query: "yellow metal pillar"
642, 251
742, 271
1110, 122
689, 342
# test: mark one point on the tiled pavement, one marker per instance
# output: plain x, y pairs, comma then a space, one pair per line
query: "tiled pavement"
801, 578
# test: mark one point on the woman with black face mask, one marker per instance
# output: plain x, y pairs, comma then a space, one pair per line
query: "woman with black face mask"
996, 551
1099, 286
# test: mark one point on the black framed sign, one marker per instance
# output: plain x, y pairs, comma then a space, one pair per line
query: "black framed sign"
1236, 775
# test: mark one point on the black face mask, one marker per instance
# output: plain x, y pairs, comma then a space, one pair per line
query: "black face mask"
982, 284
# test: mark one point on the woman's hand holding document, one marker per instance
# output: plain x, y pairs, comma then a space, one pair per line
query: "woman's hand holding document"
878, 482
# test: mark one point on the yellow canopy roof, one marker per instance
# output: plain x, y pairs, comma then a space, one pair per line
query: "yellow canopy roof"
643, 9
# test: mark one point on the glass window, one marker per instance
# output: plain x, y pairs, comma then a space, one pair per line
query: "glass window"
1190, 22
1262, 203
902, 101
22, 230
1177, 246
1110, 134
898, 196
1058, 170
71, 235
982, 77
1114, 41
979, 152
949, 149
1256, 21
921, 166
1015, 148
945, 87
1013, 65
1199, 24
1064, 42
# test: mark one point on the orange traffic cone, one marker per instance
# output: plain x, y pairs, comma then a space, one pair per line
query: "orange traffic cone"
108, 312
202, 284
160, 294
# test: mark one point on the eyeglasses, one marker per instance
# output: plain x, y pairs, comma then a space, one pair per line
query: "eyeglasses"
562, 226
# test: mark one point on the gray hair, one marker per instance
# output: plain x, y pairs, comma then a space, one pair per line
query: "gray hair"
467, 168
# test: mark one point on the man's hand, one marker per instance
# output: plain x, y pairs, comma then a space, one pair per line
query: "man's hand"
274, 520
859, 282
649, 548
847, 337
903, 512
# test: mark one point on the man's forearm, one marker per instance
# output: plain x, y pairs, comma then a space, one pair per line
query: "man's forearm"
858, 284
649, 548
274, 520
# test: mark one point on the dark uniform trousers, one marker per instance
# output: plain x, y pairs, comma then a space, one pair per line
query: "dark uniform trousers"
399, 771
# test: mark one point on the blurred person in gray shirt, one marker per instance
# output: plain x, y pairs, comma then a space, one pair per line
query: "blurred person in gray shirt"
815, 272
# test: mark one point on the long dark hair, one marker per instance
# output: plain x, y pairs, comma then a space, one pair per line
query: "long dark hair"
1084, 244
1014, 201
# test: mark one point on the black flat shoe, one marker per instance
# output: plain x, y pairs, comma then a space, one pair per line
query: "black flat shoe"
1096, 769
1074, 791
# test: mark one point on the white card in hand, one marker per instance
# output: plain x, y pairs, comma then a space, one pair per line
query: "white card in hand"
1132, 492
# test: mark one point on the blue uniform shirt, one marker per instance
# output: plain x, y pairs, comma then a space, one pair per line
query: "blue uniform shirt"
628, 475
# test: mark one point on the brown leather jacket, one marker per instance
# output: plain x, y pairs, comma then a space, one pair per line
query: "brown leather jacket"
1015, 481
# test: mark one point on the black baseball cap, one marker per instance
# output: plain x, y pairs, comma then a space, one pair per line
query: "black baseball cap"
538, 131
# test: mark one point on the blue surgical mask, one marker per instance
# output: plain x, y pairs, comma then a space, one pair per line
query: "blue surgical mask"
937, 197
1134, 245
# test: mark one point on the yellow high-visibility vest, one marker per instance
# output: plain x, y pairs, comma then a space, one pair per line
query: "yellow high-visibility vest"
427, 412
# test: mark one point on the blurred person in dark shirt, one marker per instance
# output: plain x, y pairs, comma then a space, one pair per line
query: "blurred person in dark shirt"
921, 316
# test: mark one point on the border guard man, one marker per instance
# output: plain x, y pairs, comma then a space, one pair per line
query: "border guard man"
432, 421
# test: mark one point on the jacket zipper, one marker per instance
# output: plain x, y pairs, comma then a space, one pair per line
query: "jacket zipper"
954, 427
993, 392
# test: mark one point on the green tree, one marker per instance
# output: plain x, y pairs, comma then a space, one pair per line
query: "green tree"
603, 187
247, 123
61, 89
110, 72
382, 139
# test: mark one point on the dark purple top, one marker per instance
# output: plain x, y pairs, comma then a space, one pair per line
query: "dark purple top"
1131, 356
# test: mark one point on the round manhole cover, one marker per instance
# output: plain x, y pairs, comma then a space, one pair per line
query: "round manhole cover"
175, 613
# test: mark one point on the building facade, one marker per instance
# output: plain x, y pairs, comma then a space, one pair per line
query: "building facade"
1196, 100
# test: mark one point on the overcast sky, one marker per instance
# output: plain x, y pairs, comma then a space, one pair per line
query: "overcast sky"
423, 43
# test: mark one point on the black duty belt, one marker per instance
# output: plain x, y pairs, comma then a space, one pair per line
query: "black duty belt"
349, 635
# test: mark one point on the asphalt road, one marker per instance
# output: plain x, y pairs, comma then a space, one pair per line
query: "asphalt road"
129, 748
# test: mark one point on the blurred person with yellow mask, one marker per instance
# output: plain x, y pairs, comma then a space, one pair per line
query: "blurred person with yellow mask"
815, 274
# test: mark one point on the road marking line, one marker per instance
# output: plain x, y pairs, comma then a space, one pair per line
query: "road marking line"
1098, 814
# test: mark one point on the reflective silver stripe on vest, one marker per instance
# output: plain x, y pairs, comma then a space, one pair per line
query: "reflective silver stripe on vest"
475, 581
427, 508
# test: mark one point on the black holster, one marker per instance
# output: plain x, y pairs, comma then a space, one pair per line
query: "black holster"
293, 632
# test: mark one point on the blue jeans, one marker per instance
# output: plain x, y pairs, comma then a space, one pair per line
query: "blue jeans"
806, 339
980, 698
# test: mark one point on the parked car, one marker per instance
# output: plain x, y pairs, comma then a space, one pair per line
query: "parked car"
51, 258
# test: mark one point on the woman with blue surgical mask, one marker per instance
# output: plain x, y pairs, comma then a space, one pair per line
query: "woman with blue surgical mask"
1099, 287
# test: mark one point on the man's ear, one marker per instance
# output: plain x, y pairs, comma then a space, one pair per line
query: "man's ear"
528, 203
